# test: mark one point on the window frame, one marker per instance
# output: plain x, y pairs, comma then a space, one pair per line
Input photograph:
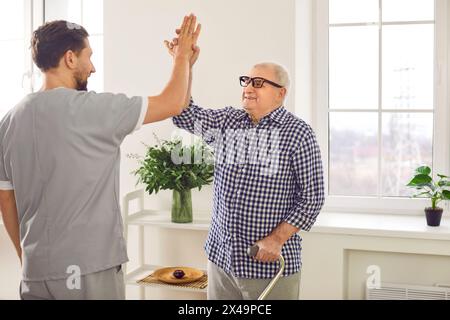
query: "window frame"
32, 16
35, 16
37, 19
441, 132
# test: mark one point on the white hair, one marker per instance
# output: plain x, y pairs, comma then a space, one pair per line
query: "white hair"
281, 73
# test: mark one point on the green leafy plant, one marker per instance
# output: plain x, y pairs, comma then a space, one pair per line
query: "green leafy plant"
158, 171
427, 187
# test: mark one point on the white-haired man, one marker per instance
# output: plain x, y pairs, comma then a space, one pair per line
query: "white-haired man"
268, 185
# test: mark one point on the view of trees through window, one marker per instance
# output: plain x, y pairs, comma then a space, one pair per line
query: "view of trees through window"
381, 94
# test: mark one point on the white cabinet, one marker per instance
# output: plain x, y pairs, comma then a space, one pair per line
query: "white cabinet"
151, 218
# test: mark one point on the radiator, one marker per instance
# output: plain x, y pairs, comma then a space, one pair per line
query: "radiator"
395, 291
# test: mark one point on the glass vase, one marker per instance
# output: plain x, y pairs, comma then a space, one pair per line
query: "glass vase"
181, 206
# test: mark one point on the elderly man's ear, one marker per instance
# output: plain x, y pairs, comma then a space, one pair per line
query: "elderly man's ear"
283, 92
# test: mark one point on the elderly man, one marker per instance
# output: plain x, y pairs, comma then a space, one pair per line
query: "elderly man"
59, 166
268, 186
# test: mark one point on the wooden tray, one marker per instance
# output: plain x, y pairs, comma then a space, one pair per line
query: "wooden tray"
166, 275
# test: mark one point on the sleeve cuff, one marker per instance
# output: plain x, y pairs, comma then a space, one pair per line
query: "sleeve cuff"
144, 107
6, 185
301, 221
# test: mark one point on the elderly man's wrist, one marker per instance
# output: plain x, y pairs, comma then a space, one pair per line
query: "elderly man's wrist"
276, 238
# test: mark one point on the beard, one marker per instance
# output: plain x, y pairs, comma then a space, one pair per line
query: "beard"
80, 83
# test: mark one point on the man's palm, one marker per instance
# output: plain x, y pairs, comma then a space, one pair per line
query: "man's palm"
172, 46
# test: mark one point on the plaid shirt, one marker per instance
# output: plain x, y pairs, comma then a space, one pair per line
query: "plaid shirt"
251, 198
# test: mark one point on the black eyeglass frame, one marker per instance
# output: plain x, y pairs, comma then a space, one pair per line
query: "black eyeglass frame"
246, 80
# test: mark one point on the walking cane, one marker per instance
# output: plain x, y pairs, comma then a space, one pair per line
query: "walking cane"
252, 251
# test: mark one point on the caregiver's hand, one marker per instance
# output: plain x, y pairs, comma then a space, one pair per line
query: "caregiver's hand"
174, 46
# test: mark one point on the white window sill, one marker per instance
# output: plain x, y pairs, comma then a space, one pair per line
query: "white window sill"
363, 224
382, 225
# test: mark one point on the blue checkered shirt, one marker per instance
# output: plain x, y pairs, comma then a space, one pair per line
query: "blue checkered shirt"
251, 198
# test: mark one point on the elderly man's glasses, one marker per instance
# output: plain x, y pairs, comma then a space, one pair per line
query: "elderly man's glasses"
257, 82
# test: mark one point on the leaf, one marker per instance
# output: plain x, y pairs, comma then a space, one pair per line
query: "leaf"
442, 176
423, 193
420, 180
444, 183
431, 186
158, 172
445, 194
423, 170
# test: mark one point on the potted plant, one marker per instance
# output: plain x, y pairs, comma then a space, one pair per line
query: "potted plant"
174, 166
437, 191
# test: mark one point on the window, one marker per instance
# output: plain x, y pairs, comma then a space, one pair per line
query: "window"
18, 19
15, 20
385, 100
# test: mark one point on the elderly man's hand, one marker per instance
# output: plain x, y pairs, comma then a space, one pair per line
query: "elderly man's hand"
269, 249
172, 46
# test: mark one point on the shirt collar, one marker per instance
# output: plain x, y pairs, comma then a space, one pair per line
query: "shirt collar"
278, 115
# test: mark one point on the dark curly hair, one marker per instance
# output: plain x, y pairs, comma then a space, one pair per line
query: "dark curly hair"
52, 40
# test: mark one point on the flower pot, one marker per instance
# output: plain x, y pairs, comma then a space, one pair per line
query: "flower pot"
181, 206
433, 216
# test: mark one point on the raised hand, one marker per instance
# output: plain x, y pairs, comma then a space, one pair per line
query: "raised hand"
187, 34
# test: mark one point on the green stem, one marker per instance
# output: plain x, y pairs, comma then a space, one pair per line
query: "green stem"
434, 201
182, 206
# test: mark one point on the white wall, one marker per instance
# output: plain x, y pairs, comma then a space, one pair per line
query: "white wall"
10, 274
335, 265
304, 44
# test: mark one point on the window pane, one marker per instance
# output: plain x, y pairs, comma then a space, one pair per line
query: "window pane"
353, 69
407, 144
353, 153
408, 66
74, 11
12, 19
38, 79
93, 16
350, 11
69, 10
407, 10
96, 79
12, 65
